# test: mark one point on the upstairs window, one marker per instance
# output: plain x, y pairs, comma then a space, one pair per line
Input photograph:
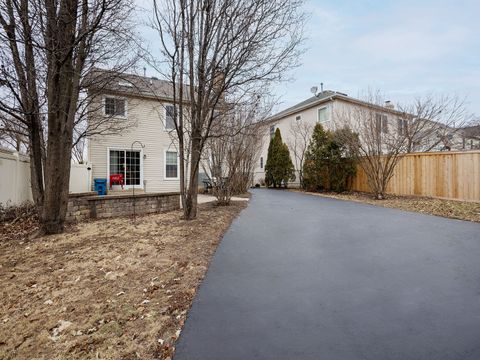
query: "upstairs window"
381, 122
169, 117
402, 126
298, 117
323, 115
272, 131
115, 106
261, 162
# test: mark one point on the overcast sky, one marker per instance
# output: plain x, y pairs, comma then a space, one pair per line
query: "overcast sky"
402, 48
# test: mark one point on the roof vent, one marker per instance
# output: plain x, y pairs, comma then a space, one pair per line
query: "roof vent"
154, 78
389, 105
123, 83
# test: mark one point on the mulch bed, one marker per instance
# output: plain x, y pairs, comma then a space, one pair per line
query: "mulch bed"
454, 209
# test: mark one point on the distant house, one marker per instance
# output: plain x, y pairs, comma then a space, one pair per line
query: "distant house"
330, 108
144, 154
470, 136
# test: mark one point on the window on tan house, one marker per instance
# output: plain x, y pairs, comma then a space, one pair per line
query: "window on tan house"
272, 131
115, 106
261, 162
381, 123
322, 115
401, 126
171, 165
169, 117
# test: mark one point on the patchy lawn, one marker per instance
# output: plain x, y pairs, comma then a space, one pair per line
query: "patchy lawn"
104, 289
454, 209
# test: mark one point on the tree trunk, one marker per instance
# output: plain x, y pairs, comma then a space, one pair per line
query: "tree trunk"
190, 208
57, 176
36, 162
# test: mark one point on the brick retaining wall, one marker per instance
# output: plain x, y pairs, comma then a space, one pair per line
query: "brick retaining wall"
91, 206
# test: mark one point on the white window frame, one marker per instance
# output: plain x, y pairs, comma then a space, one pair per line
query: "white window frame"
328, 115
119, 98
125, 186
165, 118
165, 165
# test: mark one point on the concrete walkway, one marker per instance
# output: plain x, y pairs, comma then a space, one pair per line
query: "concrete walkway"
305, 277
204, 198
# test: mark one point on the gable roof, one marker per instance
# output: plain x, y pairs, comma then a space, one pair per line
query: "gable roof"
324, 96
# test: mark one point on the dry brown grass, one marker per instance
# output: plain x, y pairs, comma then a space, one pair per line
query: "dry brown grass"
118, 290
453, 209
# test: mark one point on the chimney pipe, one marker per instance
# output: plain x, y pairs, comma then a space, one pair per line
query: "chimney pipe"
389, 105
144, 71
321, 87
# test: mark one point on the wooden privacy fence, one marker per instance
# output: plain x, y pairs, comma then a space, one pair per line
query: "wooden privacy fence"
451, 175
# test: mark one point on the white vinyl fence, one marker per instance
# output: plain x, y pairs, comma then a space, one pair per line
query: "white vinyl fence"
15, 185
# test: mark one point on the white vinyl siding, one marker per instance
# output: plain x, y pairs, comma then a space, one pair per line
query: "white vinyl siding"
147, 119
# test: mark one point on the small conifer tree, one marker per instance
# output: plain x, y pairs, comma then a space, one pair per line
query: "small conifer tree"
315, 167
279, 167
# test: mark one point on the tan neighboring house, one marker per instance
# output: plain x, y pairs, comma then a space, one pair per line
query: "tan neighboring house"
331, 109
144, 152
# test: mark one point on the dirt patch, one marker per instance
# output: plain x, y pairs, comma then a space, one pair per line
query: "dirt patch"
453, 209
105, 289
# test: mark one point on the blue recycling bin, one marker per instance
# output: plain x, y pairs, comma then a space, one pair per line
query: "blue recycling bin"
100, 186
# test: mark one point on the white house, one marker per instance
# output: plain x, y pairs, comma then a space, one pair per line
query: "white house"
333, 109
144, 152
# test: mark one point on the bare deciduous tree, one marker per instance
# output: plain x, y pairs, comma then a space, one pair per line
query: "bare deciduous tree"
374, 144
432, 121
232, 150
301, 133
385, 133
224, 50
46, 49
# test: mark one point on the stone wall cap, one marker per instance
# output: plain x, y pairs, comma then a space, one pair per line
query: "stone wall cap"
130, 196
82, 194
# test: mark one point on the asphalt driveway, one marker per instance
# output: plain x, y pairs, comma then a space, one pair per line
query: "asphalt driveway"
303, 277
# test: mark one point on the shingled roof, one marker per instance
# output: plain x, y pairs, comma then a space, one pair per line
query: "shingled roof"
325, 95
100, 80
